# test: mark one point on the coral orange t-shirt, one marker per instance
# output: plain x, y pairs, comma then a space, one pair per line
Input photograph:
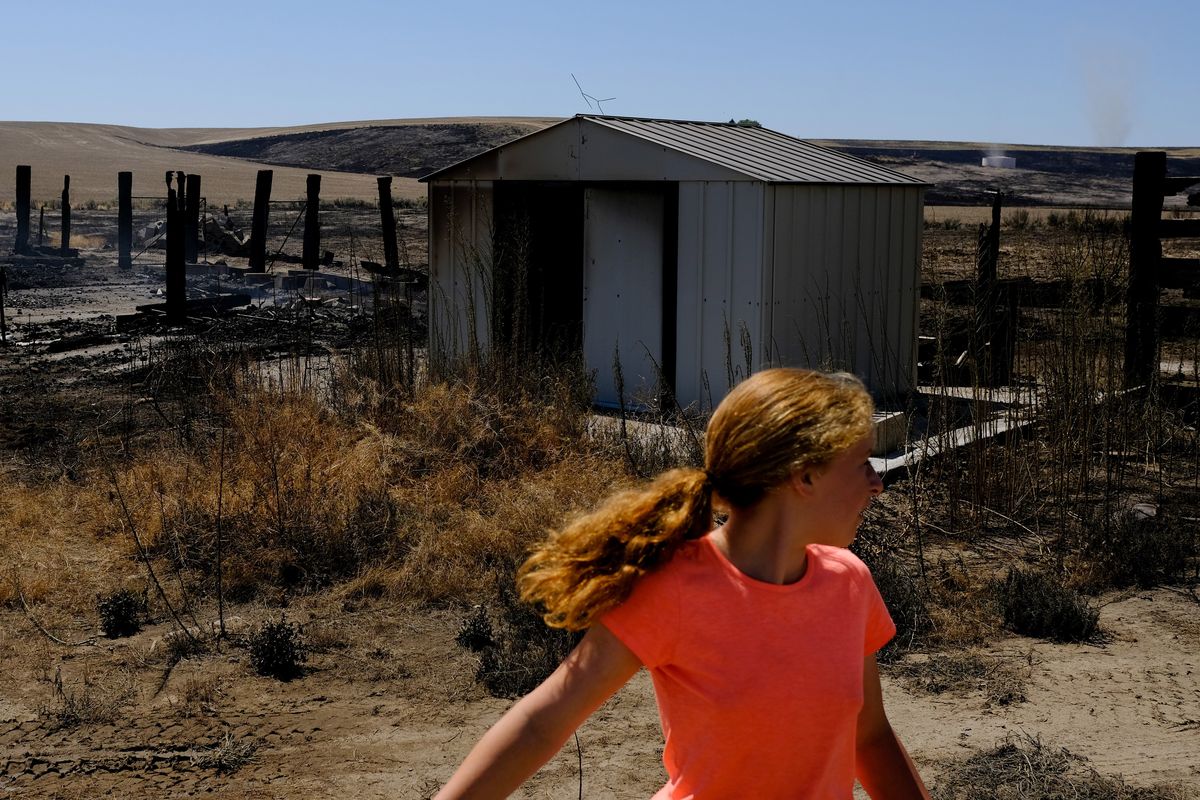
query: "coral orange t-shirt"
758, 685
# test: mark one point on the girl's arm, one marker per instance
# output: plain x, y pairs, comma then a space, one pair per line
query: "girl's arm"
884, 768
534, 729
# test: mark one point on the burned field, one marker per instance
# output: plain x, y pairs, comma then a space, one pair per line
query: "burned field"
261, 554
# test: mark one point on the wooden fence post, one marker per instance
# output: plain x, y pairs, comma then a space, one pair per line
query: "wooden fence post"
124, 220
258, 224
65, 244
41, 224
312, 223
985, 347
1145, 253
191, 214
3, 302
24, 179
175, 268
387, 216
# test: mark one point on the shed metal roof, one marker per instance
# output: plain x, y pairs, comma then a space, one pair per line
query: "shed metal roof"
758, 153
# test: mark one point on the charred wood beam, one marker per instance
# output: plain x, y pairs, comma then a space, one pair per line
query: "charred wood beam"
387, 216
124, 220
1145, 254
1177, 184
176, 305
191, 217
312, 223
24, 180
1179, 229
1179, 273
258, 224
65, 243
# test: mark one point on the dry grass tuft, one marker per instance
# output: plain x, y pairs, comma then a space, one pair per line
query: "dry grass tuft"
298, 497
50, 551
227, 756
90, 701
1023, 768
1000, 679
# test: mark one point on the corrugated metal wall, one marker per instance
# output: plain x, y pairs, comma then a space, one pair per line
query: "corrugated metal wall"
844, 266
806, 275
460, 258
721, 286
623, 291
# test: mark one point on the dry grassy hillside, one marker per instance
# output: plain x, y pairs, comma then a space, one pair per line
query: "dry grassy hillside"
93, 154
1045, 175
348, 154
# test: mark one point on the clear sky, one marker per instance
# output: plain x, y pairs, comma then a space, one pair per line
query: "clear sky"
1048, 72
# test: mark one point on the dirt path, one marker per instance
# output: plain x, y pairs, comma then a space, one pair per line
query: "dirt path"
389, 706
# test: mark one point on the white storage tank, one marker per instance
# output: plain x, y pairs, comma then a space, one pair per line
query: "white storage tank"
1003, 162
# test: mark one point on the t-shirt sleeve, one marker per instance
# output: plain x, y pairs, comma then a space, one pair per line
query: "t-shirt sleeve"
648, 621
880, 628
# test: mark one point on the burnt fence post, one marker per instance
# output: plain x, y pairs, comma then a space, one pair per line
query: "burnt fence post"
124, 220
387, 216
65, 244
1145, 253
175, 268
258, 224
989, 348
24, 179
311, 255
191, 217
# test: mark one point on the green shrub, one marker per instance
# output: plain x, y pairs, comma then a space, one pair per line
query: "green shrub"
277, 650
1038, 604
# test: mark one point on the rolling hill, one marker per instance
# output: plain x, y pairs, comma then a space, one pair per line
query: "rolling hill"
350, 154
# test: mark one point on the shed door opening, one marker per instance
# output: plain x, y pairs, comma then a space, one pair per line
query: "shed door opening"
537, 247
623, 291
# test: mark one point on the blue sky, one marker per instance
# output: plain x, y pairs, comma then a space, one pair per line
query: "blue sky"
1037, 73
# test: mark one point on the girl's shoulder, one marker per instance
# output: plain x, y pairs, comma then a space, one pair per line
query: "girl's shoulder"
839, 559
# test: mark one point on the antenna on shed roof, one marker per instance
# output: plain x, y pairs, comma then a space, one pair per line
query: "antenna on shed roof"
587, 98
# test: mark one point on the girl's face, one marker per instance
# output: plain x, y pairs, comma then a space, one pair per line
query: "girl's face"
840, 493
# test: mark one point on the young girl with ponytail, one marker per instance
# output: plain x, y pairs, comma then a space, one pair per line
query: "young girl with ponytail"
759, 634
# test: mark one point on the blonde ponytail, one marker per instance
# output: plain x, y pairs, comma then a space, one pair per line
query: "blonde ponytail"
591, 565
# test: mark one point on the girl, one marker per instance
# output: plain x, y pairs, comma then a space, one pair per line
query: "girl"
760, 635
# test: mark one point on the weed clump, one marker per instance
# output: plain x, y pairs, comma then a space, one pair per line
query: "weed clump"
227, 756
517, 651
1038, 604
1024, 767
277, 650
1136, 550
1001, 680
88, 703
121, 612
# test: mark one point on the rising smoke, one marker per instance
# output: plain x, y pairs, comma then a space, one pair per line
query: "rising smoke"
1109, 78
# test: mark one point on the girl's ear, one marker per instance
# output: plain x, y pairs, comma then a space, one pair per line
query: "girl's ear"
801, 482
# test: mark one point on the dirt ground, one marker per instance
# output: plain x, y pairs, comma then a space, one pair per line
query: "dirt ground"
388, 703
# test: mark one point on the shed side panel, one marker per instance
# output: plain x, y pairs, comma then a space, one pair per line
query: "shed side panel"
460, 225
846, 265
689, 306
720, 287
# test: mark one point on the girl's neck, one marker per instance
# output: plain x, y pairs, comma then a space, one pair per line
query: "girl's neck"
765, 541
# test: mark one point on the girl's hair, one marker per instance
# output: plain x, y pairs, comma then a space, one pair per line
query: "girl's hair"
775, 423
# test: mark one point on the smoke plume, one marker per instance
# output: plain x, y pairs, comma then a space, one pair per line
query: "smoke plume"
1109, 78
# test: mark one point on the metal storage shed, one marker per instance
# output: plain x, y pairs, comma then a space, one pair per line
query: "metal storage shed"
685, 248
